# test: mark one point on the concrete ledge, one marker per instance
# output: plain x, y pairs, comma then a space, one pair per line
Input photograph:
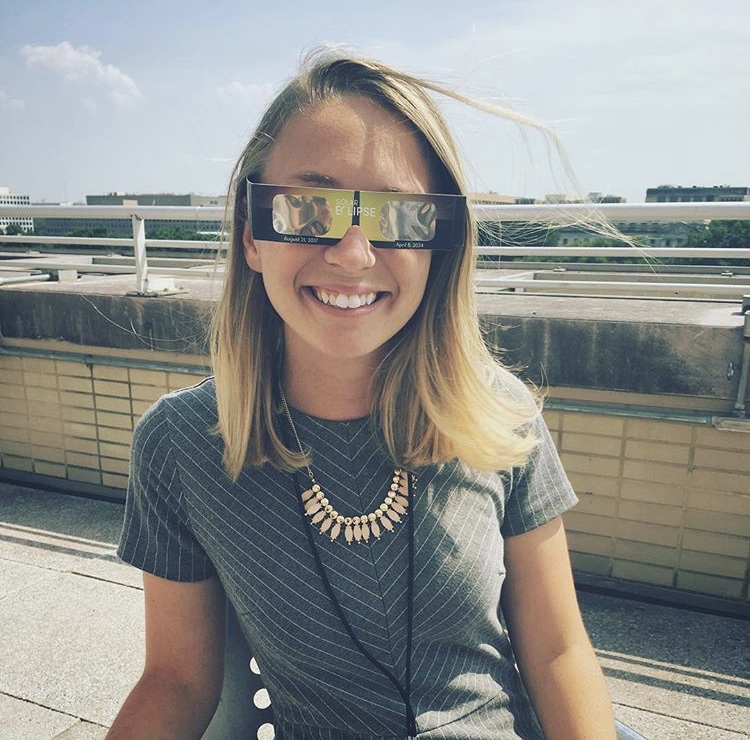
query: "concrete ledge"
175, 324
619, 344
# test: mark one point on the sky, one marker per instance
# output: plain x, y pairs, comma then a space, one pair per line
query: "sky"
101, 96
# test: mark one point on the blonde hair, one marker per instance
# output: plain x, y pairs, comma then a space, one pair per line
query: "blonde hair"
437, 392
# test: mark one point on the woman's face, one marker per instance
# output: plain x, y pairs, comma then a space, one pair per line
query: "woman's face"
347, 300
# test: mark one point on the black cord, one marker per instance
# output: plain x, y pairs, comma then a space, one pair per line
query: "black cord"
410, 718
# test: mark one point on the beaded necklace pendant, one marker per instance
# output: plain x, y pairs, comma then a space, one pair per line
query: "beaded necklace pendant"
358, 528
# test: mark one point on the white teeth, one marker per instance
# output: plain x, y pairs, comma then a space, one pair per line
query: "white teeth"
341, 300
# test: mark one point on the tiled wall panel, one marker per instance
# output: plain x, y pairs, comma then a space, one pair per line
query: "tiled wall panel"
661, 502
677, 511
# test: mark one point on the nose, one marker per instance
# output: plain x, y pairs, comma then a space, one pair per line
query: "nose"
353, 252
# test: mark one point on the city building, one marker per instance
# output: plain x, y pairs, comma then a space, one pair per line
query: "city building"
155, 199
568, 198
647, 234
122, 227
497, 199
696, 194
11, 199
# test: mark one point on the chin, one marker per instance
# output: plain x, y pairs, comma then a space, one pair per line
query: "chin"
352, 351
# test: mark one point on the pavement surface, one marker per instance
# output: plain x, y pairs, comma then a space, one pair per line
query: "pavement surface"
71, 636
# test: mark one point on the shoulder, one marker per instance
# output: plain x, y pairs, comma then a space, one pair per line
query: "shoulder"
198, 399
176, 421
194, 406
200, 396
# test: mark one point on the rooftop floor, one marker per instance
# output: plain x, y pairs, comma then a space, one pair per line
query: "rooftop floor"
71, 636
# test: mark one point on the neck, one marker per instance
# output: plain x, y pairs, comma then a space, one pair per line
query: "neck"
338, 390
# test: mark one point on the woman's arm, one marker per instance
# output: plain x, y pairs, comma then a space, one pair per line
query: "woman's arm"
179, 689
553, 651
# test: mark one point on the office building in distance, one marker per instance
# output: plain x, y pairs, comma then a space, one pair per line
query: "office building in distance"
11, 199
697, 194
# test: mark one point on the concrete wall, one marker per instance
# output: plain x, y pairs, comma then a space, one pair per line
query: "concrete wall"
665, 496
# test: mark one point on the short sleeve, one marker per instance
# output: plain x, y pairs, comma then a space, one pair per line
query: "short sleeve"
156, 536
540, 490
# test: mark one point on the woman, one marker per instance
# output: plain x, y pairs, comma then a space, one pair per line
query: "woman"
361, 478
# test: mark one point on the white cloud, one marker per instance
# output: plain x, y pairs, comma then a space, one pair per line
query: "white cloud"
240, 94
10, 103
83, 65
89, 104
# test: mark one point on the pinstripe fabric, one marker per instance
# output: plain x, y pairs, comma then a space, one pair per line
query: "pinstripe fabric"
186, 520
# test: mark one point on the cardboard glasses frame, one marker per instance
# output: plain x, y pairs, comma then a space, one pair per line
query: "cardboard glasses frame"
321, 216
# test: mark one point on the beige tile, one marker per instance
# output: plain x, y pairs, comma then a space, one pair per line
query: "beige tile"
718, 521
729, 460
115, 481
722, 439
727, 588
715, 543
111, 372
119, 421
659, 431
665, 453
644, 552
596, 484
591, 444
77, 400
47, 468
581, 522
72, 369
148, 377
720, 481
111, 388
598, 565
720, 565
730, 503
657, 493
590, 464
75, 384
657, 534
642, 572
655, 472
593, 424
117, 405
18, 463
640, 511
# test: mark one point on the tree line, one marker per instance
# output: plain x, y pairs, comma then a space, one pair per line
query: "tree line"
732, 234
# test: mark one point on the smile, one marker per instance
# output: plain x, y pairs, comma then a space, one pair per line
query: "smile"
341, 300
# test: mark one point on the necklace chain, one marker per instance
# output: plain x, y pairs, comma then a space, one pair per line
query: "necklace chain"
356, 528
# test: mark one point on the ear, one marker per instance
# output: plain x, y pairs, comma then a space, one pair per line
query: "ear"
250, 250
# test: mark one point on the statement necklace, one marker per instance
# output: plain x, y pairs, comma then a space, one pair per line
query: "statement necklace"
357, 528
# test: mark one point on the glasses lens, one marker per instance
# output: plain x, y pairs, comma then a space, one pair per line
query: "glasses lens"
301, 215
412, 220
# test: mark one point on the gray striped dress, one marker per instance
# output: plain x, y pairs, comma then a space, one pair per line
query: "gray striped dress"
186, 520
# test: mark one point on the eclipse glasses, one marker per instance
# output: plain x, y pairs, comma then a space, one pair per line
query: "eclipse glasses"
321, 216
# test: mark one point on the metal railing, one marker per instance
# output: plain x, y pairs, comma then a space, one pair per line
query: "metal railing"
500, 275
